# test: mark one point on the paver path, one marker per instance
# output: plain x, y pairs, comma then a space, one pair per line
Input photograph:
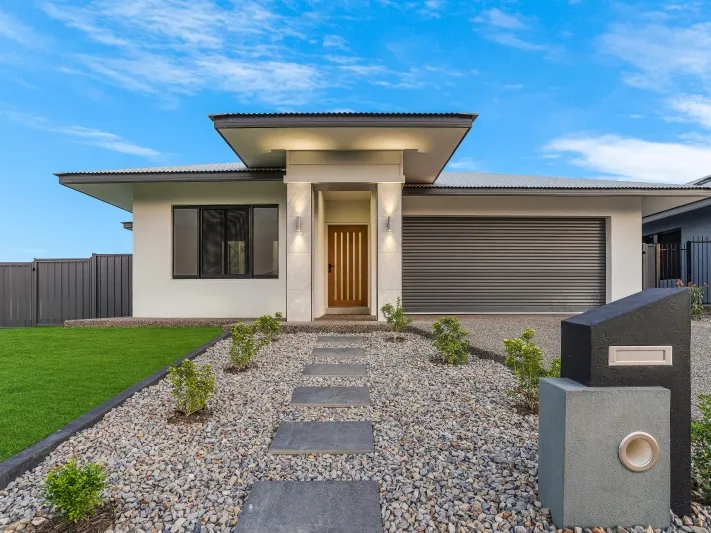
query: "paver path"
320, 506
330, 396
335, 370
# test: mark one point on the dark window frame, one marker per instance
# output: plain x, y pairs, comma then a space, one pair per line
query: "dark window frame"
250, 208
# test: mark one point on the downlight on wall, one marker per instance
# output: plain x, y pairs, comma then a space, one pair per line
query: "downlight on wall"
298, 223
388, 227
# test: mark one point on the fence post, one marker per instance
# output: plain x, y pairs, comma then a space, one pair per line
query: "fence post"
688, 262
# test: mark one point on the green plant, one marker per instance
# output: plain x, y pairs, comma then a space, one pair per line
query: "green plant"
525, 359
701, 447
268, 326
697, 298
245, 345
395, 317
451, 340
191, 386
75, 491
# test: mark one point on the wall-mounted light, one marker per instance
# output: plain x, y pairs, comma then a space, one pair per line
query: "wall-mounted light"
387, 224
298, 223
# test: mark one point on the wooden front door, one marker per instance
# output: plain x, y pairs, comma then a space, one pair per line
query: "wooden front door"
347, 266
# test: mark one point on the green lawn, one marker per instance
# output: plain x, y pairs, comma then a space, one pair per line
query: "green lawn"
50, 376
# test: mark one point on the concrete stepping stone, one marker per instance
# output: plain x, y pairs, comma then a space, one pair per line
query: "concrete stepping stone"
334, 369
340, 340
330, 396
340, 351
311, 507
295, 438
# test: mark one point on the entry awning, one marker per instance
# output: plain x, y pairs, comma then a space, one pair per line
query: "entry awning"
427, 140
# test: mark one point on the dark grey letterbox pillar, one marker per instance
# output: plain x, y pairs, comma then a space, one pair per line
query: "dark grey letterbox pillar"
638, 341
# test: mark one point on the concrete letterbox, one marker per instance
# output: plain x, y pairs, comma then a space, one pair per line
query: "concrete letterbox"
640, 341
604, 454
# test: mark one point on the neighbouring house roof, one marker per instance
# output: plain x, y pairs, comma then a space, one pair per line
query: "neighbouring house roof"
693, 206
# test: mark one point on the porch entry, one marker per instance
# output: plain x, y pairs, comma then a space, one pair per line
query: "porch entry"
347, 266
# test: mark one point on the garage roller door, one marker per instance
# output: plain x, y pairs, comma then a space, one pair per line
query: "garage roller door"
477, 264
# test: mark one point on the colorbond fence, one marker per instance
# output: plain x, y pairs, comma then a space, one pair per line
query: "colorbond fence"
47, 292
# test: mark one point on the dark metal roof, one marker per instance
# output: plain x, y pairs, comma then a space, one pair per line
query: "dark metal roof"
344, 114
491, 180
687, 208
177, 169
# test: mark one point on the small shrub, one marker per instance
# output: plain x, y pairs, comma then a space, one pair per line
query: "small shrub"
244, 345
268, 326
697, 298
191, 386
395, 317
701, 448
452, 340
525, 359
75, 491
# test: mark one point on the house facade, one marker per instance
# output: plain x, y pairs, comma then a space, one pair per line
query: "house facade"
341, 213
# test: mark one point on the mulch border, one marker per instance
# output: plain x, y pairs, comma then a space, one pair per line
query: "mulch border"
14, 466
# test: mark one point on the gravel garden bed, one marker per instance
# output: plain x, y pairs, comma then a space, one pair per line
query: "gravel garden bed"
451, 454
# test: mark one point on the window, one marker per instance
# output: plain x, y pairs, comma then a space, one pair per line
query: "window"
225, 242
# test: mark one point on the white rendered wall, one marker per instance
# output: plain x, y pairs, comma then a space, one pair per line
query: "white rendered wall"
298, 252
155, 292
623, 216
389, 276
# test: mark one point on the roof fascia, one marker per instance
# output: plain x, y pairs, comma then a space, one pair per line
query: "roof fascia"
451, 191
456, 120
126, 177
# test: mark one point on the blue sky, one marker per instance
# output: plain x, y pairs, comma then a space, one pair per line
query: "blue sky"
580, 88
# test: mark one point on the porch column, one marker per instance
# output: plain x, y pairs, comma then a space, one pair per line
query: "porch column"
389, 280
298, 252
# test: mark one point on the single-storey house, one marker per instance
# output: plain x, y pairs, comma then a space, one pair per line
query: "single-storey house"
340, 213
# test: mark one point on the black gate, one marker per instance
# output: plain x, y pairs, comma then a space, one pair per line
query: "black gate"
664, 265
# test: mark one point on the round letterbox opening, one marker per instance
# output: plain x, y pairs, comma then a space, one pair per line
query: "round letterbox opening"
639, 451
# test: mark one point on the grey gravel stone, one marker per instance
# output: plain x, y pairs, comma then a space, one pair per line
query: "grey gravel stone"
445, 437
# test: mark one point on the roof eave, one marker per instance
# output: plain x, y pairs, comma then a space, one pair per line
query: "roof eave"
71, 178
557, 191
453, 120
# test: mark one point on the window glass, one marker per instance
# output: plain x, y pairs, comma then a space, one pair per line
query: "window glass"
185, 242
266, 241
237, 241
212, 243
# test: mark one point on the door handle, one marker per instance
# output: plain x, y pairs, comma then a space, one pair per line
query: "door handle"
329, 267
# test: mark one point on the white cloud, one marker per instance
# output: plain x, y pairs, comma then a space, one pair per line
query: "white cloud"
636, 159
498, 18
662, 56
84, 135
334, 41
13, 29
506, 29
462, 163
169, 48
695, 108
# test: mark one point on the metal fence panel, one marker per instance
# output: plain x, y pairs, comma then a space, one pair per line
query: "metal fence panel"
63, 290
664, 265
114, 278
50, 291
15, 295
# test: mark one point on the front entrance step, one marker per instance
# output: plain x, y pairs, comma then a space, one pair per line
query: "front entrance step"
294, 438
311, 507
338, 352
340, 340
330, 396
334, 370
